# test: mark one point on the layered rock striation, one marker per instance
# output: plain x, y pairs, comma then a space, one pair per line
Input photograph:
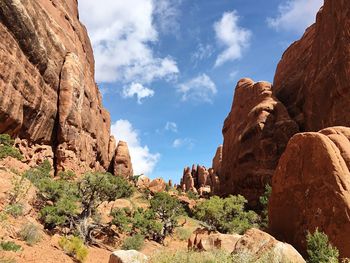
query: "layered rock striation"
256, 133
48, 94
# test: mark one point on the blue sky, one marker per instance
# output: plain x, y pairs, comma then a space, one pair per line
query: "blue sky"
167, 69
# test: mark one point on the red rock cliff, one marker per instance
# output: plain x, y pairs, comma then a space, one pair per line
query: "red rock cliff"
48, 93
255, 135
313, 78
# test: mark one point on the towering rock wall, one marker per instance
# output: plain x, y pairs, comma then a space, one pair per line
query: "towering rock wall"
48, 93
313, 78
255, 135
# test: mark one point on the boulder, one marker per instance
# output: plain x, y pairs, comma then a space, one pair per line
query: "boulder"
127, 256
157, 186
256, 133
143, 182
260, 245
311, 189
313, 77
122, 161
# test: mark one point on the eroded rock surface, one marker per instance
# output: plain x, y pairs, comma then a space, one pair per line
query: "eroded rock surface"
122, 161
48, 94
313, 77
311, 189
255, 135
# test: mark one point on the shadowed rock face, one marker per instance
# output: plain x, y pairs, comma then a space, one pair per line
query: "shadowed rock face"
48, 93
313, 77
311, 188
255, 135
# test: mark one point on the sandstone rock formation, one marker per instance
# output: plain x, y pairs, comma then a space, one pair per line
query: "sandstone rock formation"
255, 135
313, 78
255, 244
157, 185
311, 188
217, 160
122, 161
199, 180
48, 94
143, 182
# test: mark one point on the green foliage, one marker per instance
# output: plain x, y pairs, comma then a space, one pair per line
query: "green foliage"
7, 148
9, 246
19, 190
134, 242
96, 188
167, 209
67, 175
14, 210
264, 201
74, 247
183, 233
319, 249
36, 175
140, 221
192, 195
30, 233
226, 215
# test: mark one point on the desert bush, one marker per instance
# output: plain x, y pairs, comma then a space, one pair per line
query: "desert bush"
264, 201
67, 175
14, 210
122, 219
96, 188
134, 242
7, 148
7, 260
181, 256
167, 209
226, 215
183, 233
9, 246
30, 233
192, 195
74, 247
20, 188
319, 249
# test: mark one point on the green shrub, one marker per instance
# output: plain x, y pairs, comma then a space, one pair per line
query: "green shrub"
30, 233
183, 233
319, 249
264, 201
9, 246
192, 195
67, 175
134, 242
181, 256
7, 149
7, 260
14, 210
122, 219
74, 247
226, 215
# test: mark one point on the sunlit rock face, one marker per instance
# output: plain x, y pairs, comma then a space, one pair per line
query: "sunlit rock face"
48, 93
256, 133
313, 78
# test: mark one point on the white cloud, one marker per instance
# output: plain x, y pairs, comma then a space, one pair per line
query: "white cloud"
142, 159
200, 89
233, 37
202, 52
138, 90
122, 33
167, 15
295, 15
171, 126
186, 142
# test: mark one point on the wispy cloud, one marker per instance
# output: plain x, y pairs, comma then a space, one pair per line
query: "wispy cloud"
295, 15
233, 37
142, 159
200, 89
183, 143
138, 90
171, 126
